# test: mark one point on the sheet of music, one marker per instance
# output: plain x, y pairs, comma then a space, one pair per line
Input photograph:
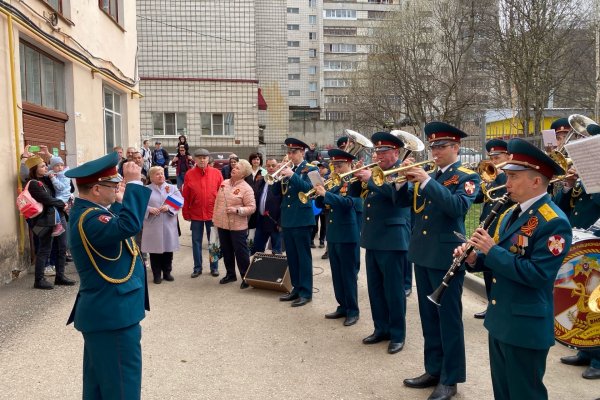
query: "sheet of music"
584, 153
549, 138
315, 178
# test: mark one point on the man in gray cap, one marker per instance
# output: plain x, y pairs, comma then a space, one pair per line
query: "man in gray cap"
200, 187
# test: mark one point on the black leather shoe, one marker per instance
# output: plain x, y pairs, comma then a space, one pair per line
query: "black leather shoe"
407, 292
301, 301
168, 277
289, 297
325, 256
335, 315
395, 347
591, 373
312, 246
349, 321
69, 259
575, 360
480, 315
321, 245
214, 272
196, 274
422, 382
157, 280
375, 338
227, 279
443, 392
244, 284
64, 281
43, 284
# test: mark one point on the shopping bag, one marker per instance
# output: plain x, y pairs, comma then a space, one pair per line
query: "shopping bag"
214, 247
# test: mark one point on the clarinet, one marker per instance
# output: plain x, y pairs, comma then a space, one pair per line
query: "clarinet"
436, 296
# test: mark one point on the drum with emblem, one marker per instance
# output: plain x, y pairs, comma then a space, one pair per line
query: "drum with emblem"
575, 325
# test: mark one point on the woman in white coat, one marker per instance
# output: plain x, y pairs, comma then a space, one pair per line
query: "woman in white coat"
160, 236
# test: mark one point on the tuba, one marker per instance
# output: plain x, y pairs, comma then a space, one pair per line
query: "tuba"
411, 142
356, 142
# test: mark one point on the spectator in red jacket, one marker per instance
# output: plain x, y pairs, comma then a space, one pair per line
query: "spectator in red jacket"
200, 187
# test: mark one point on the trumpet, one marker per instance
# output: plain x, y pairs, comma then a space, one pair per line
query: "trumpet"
276, 176
311, 194
379, 176
337, 178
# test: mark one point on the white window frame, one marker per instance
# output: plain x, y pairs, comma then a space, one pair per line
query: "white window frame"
293, 27
339, 14
293, 77
312, 103
115, 136
293, 93
293, 43
293, 60
177, 117
312, 86
312, 19
312, 53
226, 128
293, 10
312, 70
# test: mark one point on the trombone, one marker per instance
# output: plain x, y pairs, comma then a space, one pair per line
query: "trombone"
276, 176
379, 176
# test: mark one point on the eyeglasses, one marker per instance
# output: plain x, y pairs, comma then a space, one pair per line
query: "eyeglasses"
115, 188
439, 146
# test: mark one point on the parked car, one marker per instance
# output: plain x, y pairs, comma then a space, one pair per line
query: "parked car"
220, 158
469, 156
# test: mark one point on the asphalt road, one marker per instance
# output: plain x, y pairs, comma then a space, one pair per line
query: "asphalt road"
203, 340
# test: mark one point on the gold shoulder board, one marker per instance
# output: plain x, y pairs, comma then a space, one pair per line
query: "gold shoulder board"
547, 212
466, 170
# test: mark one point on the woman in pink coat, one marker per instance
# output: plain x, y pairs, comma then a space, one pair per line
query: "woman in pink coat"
234, 204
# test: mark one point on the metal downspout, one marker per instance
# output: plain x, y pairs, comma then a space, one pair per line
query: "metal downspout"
15, 112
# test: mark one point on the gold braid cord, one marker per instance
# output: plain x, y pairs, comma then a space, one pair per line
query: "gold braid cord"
575, 193
497, 230
133, 250
415, 195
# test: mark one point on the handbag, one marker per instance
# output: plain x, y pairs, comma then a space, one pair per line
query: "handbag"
27, 205
214, 247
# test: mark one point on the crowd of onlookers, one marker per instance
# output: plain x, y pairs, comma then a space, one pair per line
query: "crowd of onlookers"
234, 205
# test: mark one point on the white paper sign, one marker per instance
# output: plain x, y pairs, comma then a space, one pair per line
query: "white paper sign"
549, 138
584, 153
315, 178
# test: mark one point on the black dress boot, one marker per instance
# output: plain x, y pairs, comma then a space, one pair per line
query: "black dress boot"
42, 284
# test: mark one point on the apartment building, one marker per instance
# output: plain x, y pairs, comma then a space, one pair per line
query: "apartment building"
214, 71
68, 74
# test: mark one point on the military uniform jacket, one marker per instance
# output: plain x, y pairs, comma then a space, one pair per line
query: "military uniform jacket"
583, 209
101, 305
345, 210
440, 209
294, 214
524, 264
386, 224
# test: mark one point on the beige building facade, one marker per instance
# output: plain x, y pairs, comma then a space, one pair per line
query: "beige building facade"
68, 82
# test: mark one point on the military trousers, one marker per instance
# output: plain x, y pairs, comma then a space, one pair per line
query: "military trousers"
385, 281
297, 248
517, 372
112, 364
442, 326
344, 273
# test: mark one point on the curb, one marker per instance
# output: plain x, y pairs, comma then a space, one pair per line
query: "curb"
475, 284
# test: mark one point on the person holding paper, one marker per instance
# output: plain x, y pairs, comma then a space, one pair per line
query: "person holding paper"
297, 221
160, 237
385, 235
583, 210
343, 235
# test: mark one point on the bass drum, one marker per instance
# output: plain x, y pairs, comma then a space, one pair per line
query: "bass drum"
575, 325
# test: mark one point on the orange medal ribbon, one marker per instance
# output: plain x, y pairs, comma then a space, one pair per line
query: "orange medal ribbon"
451, 181
530, 226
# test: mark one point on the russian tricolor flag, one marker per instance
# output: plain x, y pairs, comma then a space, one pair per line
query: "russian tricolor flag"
174, 201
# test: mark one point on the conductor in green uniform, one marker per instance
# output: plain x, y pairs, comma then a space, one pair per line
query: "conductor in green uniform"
113, 294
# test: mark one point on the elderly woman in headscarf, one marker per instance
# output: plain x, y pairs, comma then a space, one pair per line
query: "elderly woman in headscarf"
44, 225
160, 236
234, 204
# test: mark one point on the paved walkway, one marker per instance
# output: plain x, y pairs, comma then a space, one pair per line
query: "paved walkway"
203, 340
